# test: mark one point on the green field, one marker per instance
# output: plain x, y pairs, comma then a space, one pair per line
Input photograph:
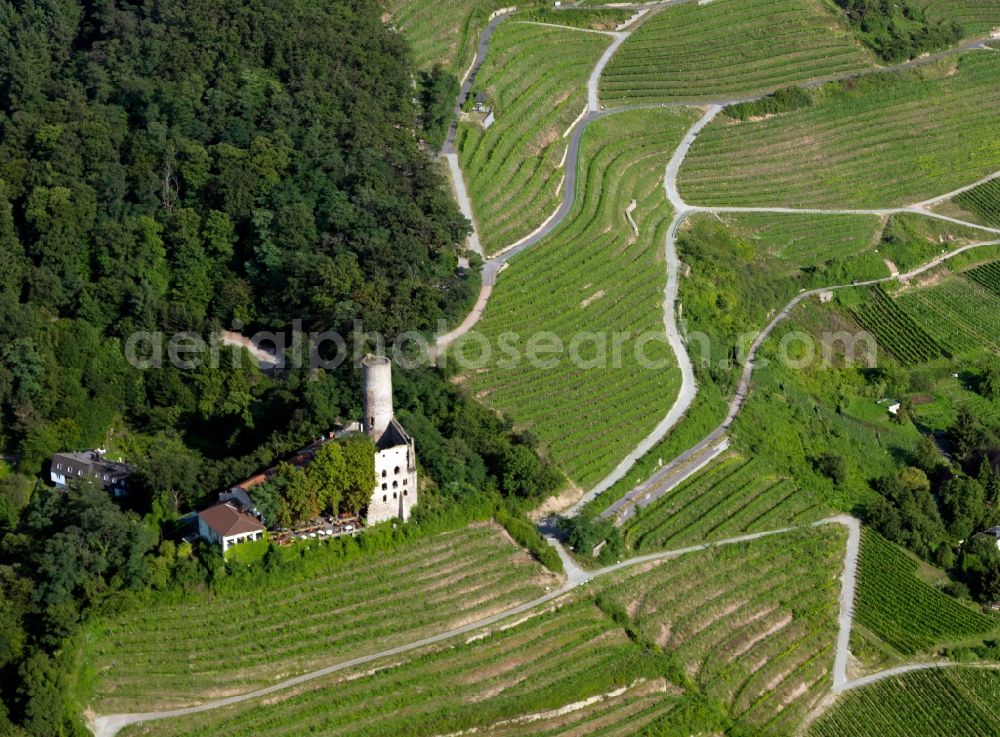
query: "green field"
910, 240
987, 276
806, 240
958, 313
953, 702
550, 661
596, 19
732, 497
442, 34
879, 141
895, 329
975, 16
592, 275
536, 80
729, 49
983, 201
753, 624
912, 616
168, 654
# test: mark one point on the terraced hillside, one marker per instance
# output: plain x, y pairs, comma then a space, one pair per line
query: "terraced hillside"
204, 647
754, 625
895, 328
523, 673
536, 80
958, 702
975, 16
595, 275
874, 142
732, 497
806, 240
987, 276
983, 201
729, 49
442, 33
904, 611
958, 313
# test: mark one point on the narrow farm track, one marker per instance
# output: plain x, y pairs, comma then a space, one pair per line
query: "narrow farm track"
109, 725
667, 478
688, 462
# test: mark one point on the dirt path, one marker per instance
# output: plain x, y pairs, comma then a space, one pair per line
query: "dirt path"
109, 725
688, 388
645, 494
266, 359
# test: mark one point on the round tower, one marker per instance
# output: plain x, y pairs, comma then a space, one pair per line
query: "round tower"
378, 394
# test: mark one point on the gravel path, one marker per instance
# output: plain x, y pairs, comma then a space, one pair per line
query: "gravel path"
688, 388
111, 724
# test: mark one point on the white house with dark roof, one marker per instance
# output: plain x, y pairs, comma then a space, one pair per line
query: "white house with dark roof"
112, 475
395, 491
227, 524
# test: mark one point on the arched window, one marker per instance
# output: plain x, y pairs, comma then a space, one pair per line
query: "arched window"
384, 498
393, 495
384, 487
404, 492
383, 473
396, 471
395, 484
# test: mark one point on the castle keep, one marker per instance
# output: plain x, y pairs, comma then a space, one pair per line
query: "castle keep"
395, 490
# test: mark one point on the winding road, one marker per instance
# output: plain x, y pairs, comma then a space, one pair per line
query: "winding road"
682, 466
109, 725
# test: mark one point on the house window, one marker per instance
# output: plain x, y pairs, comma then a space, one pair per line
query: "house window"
393, 495
384, 487
395, 484
383, 473
70, 469
404, 492
384, 498
396, 471
59, 466
404, 482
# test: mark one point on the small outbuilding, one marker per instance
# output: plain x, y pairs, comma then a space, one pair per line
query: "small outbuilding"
226, 524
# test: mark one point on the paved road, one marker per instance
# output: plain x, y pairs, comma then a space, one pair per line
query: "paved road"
919, 209
494, 265
649, 492
688, 389
848, 587
593, 103
108, 726
464, 203
470, 78
111, 724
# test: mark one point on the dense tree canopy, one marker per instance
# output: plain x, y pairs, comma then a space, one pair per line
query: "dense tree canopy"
178, 165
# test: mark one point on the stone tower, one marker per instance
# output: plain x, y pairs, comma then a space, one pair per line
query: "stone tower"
395, 492
378, 395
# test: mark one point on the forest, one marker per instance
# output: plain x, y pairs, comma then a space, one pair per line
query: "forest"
898, 30
197, 166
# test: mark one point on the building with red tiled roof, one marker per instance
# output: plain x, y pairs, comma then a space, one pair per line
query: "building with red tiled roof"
226, 524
